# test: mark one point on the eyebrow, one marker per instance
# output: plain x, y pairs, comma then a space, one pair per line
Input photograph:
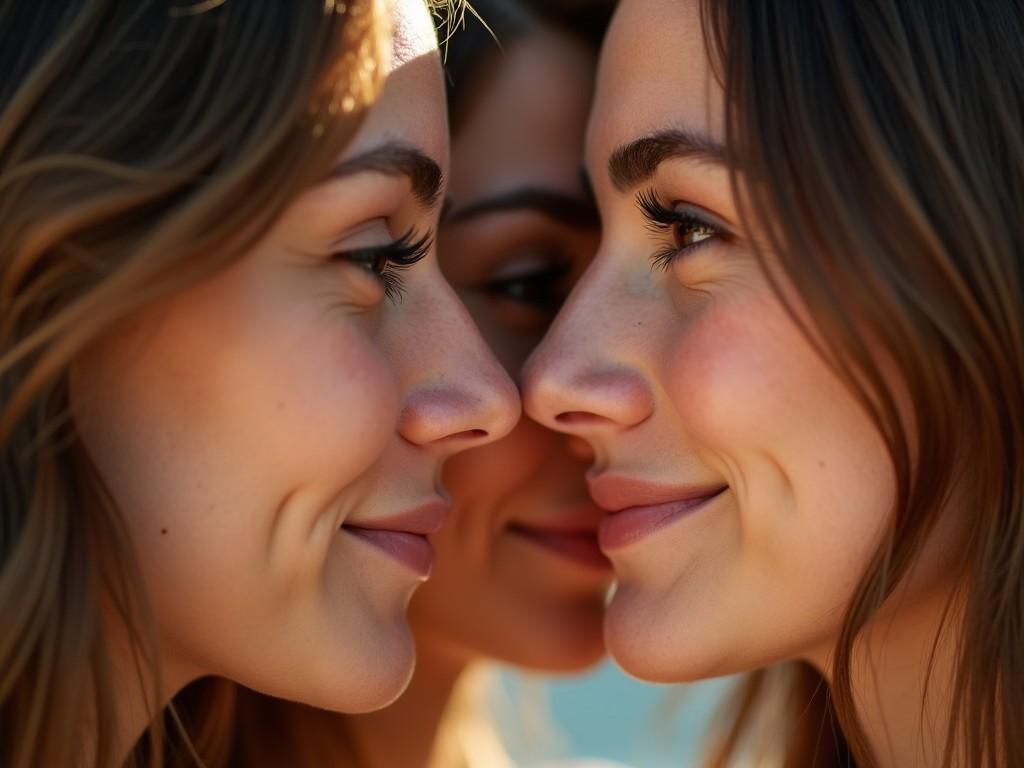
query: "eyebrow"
634, 163
397, 159
577, 211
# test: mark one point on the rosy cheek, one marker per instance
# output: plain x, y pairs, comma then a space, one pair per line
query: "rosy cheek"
340, 408
723, 374
295, 394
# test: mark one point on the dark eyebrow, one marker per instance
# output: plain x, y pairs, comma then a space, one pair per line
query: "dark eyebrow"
396, 159
636, 162
577, 211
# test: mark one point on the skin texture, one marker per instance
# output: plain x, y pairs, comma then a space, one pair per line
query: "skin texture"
694, 376
519, 601
242, 422
497, 593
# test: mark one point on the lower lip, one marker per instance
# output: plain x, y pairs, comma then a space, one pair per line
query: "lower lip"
620, 529
410, 549
579, 547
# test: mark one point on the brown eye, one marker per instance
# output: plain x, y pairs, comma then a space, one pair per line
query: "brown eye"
688, 233
378, 264
689, 226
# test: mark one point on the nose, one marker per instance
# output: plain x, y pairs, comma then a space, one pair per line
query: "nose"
582, 395
459, 396
585, 378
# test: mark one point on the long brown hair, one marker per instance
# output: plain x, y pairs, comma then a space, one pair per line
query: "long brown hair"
880, 147
143, 145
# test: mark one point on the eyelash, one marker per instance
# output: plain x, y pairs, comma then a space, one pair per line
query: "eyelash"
388, 261
662, 219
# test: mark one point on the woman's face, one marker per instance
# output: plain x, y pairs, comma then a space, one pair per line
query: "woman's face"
519, 575
746, 488
274, 435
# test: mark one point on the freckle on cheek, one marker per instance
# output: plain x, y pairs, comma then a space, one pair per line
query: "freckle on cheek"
163, 531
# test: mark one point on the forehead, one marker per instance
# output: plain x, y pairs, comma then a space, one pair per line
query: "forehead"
411, 106
413, 32
653, 74
527, 124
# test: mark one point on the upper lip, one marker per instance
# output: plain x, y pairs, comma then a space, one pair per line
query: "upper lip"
424, 519
615, 493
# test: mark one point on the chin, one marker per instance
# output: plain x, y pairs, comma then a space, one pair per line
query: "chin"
567, 658
562, 646
651, 644
368, 675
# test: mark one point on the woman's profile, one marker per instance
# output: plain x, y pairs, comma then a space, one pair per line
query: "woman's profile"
225, 360
797, 358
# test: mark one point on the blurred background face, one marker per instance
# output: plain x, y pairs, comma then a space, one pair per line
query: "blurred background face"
274, 435
519, 575
746, 487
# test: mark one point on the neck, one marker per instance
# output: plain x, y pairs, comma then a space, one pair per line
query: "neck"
416, 714
901, 678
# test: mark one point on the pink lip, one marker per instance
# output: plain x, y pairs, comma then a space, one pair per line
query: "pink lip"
639, 509
404, 536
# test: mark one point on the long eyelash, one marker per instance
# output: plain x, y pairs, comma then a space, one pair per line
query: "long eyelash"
659, 217
664, 257
398, 256
401, 255
660, 220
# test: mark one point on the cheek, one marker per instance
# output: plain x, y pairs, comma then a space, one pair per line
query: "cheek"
810, 476
336, 405
282, 405
211, 417
737, 372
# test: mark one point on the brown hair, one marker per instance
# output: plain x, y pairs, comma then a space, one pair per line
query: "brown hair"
142, 147
880, 147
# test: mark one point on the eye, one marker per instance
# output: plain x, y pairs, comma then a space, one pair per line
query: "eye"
537, 286
690, 227
388, 260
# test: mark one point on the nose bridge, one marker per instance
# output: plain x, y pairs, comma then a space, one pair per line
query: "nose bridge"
458, 393
585, 374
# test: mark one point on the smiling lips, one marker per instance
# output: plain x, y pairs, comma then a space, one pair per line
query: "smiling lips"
404, 536
638, 509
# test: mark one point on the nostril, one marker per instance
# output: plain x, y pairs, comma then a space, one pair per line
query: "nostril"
578, 418
469, 434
